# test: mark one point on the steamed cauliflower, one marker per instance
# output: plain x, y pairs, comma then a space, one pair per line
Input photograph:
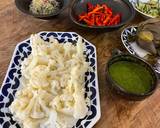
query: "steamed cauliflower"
52, 93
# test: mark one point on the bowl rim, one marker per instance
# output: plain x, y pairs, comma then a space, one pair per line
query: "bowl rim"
65, 3
102, 27
122, 90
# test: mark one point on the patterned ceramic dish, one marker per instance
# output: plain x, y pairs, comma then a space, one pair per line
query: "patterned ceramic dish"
11, 82
127, 38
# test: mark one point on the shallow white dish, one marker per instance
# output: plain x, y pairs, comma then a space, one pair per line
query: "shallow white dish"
11, 82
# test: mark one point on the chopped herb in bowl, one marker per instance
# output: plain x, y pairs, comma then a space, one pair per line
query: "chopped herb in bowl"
150, 8
44, 7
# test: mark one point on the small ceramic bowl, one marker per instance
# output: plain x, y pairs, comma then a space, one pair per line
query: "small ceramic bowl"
23, 6
123, 7
119, 56
146, 16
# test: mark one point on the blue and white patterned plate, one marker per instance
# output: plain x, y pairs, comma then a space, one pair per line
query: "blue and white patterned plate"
11, 82
132, 46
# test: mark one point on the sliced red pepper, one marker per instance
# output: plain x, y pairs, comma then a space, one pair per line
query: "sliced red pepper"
108, 18
95, 10
98, 23
105, 7
88, 22
99, 15
109, 11
114, 19
81, 17
103, 17
92, 18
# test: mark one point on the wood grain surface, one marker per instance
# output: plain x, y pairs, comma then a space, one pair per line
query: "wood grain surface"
116, 112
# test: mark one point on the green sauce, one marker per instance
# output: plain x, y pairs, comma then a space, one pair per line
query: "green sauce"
131, 77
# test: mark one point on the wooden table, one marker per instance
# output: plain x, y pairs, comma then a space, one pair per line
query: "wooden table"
116, 112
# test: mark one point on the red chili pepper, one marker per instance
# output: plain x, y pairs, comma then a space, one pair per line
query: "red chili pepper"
105, 22
91, 18
109, 10
114, 19
105, 7
99, 15
98, 23
88, 22
103, 17
95, 10
82, 17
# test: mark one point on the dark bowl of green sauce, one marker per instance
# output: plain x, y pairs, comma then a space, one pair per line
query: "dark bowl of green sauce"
131, 77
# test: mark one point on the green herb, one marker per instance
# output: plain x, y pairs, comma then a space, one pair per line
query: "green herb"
44, 7
150, 8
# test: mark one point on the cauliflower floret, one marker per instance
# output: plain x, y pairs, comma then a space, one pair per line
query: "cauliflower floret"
52, 91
